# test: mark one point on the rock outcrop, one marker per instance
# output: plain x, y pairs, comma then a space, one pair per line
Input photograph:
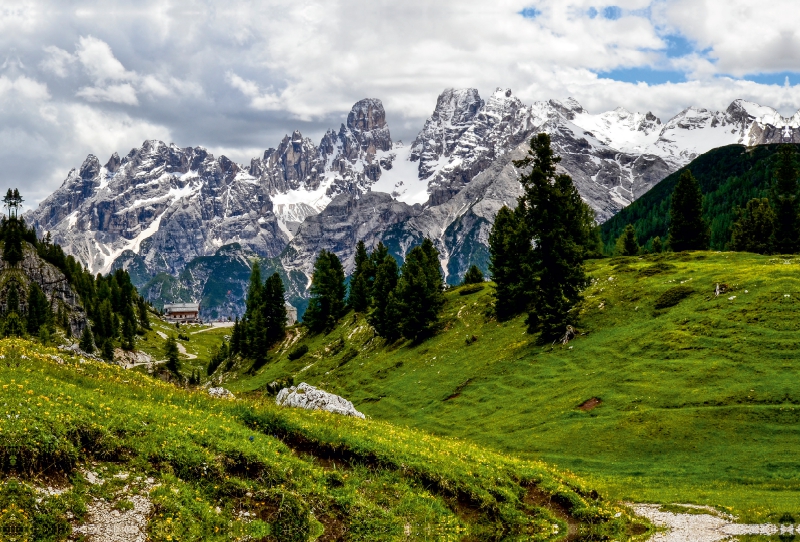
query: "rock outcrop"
311, 398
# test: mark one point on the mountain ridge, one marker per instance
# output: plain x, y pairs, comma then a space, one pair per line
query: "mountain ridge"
161, 206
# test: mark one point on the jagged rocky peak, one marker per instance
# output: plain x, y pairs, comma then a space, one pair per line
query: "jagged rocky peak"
90, 168
113, 163
569, 107
294, 164
366, 131
455, 110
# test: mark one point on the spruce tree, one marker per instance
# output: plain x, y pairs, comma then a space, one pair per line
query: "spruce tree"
12, 299
274, 310
38, 308
786, 239
172, 355
359, 298
12, 241
754, 228
128, 334
510, 263
383, 316
328, 290
144, 319
627, 245
560, 225
87, 340
658, 246
473, 276
419, 291
687, 228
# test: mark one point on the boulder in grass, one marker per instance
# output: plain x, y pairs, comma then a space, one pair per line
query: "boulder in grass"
220, 393
308, 397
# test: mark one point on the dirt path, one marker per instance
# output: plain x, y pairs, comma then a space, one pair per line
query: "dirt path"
181, 348
699, 527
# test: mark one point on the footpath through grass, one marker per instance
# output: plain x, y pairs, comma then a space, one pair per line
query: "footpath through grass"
697, 401
87, 443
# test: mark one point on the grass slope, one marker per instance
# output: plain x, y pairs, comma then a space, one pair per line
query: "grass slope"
698, 401
80, 439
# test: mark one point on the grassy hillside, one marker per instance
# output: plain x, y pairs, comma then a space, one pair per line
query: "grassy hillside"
728, 177
696, 402
85, 443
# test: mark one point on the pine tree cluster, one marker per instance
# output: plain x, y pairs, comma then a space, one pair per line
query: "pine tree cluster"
262, 325
398, 301
537, 250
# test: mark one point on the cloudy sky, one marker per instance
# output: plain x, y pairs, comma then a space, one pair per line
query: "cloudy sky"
235, 76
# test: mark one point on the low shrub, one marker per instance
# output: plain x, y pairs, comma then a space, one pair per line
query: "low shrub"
298, 352
470, 289
673, 296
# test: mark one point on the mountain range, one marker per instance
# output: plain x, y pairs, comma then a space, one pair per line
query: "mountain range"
187, 225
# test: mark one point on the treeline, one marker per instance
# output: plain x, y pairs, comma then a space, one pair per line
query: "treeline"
766, 225
114, 307
728, 178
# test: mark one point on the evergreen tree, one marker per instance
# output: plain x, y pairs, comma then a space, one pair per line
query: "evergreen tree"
359, 298
510, 264
39, 312
236, 337
383, 317
12, 241
754, 228
14, 325
144, 319
419, 291
107, 350
87, 340
473, 276
128, 334
627, 244
327, 293
658, 246
274, 310
786, 238
12, 299
377, 256
172, 355
560, 224
687, 228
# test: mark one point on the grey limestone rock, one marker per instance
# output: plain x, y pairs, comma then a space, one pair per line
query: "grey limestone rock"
311, 398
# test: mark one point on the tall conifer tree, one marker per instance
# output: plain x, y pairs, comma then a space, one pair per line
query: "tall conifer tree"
510, 263
419, 291
627, 245
786, 238
687, 228
383, 316
360, 283
560, 224
274, 309
328, 290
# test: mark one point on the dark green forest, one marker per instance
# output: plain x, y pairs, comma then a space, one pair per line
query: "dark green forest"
729, 177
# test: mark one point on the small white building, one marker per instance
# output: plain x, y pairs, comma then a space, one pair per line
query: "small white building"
182, 312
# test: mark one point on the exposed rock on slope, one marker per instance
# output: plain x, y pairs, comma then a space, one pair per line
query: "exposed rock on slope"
311, 398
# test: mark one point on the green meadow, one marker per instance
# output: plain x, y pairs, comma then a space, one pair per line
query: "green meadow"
78, 436
670, 393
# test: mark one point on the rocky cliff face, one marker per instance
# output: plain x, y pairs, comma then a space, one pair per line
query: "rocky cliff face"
52, 281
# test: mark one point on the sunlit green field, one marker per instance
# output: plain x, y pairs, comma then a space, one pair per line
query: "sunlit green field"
246, 469
699, 402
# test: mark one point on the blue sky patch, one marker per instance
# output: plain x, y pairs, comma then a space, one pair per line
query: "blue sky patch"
530, 13
678, 46
612, 12
645, 75
774, 78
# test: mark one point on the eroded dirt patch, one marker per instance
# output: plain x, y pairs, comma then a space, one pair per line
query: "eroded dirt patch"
590, 404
